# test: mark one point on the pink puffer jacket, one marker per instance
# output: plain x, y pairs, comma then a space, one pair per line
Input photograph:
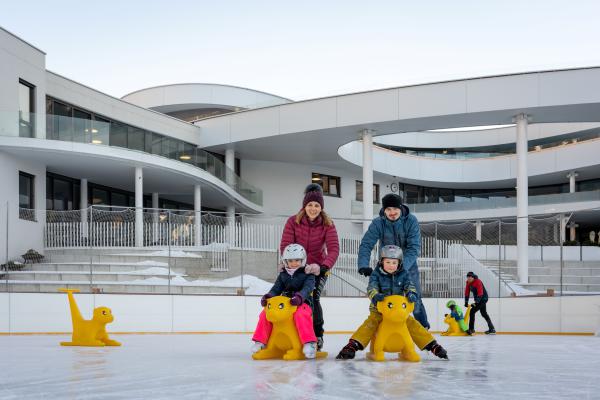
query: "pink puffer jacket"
320, 241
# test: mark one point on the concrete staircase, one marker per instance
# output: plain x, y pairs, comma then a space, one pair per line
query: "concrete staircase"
577, 276
120, 271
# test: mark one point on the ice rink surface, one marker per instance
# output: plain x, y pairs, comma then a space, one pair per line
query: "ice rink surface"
219, 366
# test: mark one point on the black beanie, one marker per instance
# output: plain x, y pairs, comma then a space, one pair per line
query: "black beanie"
471, 275
391, 200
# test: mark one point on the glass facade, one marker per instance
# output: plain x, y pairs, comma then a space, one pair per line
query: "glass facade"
330, 184
26, 109
70, 123
496, 150
63, 194
26, 196
359, 192
413, 194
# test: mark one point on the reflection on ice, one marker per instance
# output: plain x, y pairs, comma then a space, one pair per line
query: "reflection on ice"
219, 366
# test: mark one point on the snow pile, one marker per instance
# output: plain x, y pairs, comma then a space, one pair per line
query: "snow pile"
252, 284
156, 271
520, 291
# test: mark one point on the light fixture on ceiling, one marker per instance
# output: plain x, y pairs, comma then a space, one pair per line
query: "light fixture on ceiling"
316, 179
538, 148
94, 130
445, 151
96, 141
185, 157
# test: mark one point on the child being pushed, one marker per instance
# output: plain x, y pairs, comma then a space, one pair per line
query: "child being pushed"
390, 278
295, 283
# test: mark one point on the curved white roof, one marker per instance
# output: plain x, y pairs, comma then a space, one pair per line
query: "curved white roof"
185, 96
312, 131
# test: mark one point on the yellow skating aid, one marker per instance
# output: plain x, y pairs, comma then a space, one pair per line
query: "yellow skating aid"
89, 333
284, 341
392, 334
453, 326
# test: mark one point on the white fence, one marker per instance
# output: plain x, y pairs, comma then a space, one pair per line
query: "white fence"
443, 263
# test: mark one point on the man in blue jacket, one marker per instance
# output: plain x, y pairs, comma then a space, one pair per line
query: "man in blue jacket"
395, 226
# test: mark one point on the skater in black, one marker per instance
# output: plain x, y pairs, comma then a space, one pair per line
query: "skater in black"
475, 285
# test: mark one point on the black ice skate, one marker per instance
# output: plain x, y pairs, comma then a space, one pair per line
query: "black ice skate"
349, 350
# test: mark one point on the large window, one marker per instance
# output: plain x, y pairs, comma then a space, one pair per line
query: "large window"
330, 184
26, 196
26, 109
359, 192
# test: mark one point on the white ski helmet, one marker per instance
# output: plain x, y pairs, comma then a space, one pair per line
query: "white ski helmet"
294, 251
391, 251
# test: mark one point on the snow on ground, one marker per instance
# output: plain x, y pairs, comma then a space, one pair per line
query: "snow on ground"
252, 284
162, 253
219, 367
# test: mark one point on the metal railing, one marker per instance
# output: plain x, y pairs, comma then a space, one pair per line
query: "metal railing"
95, 250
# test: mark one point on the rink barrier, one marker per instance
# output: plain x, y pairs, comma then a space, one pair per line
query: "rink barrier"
46, 313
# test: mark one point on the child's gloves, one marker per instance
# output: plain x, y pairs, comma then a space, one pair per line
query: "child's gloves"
314, 269
263, 300
411, 297
297, 300
378, 297
466, 304
366, 271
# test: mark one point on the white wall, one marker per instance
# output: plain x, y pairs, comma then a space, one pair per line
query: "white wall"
429, 171
20, 60
27, 312
283, 187
22, 234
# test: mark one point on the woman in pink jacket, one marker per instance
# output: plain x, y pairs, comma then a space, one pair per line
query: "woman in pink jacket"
314, 230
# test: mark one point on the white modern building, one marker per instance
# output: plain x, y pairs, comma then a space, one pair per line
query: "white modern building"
473, 150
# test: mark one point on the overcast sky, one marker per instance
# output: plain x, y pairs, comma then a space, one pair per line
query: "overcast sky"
302, 49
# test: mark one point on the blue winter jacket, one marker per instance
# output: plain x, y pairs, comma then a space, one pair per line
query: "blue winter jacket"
404, 233
398, 283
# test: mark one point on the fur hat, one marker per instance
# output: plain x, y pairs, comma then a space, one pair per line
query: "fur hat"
313, 192
391, 200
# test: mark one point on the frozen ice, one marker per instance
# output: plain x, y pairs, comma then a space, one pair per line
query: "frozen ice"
218, 366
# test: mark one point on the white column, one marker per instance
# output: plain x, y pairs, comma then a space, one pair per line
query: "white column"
197, 215
83, 205
155, 218
478, 231
563, 226
230, 164
572, 175
139, 207
522, 200
231, 225
572, 230
367, 158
